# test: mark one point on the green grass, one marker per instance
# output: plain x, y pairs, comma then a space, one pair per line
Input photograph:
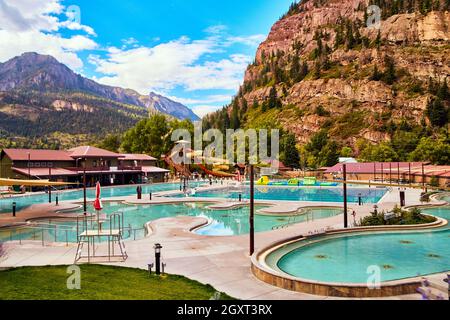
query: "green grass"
99, 283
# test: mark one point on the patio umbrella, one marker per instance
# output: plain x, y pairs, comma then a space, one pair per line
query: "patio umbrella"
98, 206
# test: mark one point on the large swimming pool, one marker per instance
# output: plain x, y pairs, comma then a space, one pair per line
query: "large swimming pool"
347, 258
221, 222
26, 201
315, 194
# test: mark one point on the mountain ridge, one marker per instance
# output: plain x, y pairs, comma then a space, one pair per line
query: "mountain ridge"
44, 73
44, 103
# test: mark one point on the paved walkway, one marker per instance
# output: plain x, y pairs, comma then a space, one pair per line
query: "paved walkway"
222, 262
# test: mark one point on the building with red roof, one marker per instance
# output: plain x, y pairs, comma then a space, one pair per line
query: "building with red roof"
72, 165
395, 172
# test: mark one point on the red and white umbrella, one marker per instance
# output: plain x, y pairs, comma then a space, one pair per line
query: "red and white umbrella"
98, 202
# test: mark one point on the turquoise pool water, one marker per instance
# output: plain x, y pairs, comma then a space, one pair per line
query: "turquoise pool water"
398, 255
323, 194
26, 201
222, 222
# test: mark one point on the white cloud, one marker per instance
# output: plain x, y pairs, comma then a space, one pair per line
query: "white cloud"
217, 29
25, 27
63, 49
203, 110
21, 15
165, 66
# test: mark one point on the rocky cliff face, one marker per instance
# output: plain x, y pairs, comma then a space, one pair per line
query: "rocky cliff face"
162, 104
323, 54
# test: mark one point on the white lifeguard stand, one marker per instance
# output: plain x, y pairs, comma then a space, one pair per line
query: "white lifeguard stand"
91, 235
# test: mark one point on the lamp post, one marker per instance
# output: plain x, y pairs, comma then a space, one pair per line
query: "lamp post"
49, 187
84, 184
345, 196
29, 169
423, 176
252, 210
158, 248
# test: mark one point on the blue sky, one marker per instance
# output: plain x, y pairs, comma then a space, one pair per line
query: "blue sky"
193, 51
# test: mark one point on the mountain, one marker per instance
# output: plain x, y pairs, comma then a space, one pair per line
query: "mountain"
42, 99
323, 72
167, 106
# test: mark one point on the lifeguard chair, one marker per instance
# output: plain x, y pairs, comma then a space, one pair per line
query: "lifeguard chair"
91, 235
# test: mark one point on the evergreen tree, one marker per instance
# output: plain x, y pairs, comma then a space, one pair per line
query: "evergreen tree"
376, 75
443, 93
437, 113
255, 104
290, 155
389, 75
274, 102
295, 68
235, 122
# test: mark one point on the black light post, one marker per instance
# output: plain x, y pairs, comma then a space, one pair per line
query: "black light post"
158, 248
84, 191
29, 170
49, 187
14, 209
402, 198
345, 196
252, 210
390, 172
423, 176
409, 174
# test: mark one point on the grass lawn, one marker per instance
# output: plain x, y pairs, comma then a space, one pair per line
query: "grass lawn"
99, 283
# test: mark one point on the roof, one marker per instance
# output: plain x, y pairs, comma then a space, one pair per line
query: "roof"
37, 155
151, 169
136, 157
44, 172
371, 167
91, 152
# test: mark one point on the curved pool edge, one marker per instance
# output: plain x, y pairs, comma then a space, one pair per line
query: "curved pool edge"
262, 271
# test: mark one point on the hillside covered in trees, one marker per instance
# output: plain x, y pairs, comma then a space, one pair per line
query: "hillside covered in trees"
344, 88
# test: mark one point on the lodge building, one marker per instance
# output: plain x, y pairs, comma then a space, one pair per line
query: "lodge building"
109, 168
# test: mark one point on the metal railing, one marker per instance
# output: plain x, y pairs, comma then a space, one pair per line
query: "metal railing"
51, 234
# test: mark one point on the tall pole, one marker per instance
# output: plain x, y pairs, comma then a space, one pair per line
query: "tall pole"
382, 172
390, 172
29, 170
423, 176
409, 173
398, 173
84, 190
345, 196
375, 171
49, 187
252, 210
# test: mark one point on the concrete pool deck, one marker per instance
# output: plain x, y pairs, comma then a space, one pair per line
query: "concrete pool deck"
223, 262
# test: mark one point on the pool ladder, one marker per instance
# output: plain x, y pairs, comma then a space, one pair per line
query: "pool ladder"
291, 221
